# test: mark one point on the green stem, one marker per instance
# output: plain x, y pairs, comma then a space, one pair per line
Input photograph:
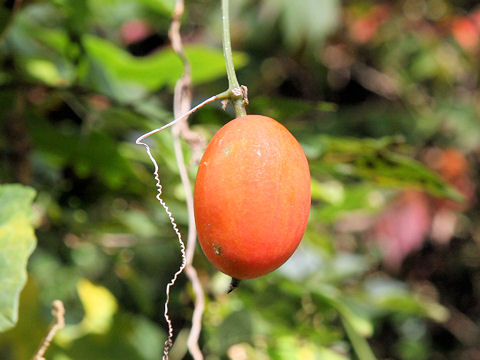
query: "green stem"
237, 101
227, 46
359, 344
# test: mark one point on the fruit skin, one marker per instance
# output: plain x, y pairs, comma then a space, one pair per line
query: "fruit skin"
252, 197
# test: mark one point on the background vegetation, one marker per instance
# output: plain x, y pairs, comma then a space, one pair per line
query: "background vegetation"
383, 96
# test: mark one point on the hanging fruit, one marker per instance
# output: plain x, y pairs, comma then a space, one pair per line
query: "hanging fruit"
252, 197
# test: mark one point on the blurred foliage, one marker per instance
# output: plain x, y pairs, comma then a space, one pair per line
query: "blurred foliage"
383, 96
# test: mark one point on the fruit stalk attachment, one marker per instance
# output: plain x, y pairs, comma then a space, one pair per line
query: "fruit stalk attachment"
237, 93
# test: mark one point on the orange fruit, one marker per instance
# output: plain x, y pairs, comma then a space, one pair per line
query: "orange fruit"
252, 197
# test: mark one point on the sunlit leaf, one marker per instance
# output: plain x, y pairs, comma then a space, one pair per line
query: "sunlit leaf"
17, 241
45, 71
99, 304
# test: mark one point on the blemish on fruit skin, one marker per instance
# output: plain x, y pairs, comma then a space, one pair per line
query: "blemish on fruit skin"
227, 150
217, 249
205, 163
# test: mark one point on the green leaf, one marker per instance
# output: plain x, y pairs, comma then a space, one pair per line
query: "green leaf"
163, 6
356, 316
157, 70
312, 21
236, 328
354, 319
399, 171
44, 54
22, 341
56, 39
376, 160
116, 344
45, 71
340, 199
393, 296
17, 241
94, 153
287, 108
119, 11
100, 307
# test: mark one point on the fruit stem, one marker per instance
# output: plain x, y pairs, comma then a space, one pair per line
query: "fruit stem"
233, 285
237, 100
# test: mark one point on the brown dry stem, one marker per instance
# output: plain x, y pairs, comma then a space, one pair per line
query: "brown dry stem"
182, 102
58, 311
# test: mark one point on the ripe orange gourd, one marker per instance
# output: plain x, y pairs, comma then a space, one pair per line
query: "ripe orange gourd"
252, 197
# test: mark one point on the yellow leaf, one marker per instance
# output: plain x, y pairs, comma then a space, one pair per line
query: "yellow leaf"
99, 304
